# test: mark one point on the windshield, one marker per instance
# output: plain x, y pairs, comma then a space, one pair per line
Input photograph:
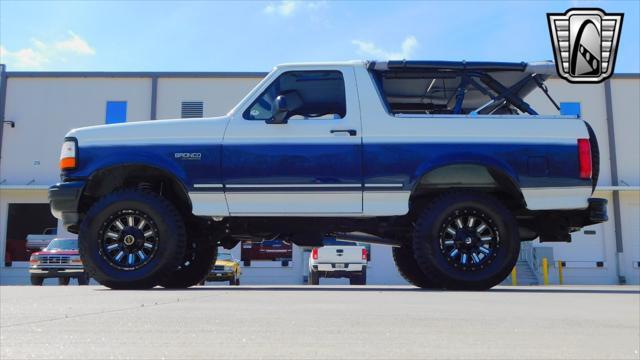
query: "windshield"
225, 256
63, 244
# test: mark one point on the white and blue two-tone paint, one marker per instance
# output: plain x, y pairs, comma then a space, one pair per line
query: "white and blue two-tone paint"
251, 168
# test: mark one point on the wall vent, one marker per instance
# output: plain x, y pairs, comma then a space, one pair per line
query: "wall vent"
192, 109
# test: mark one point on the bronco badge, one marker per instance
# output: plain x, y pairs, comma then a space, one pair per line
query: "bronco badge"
188, 156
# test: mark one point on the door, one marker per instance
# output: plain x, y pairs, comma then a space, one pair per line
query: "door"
312, 164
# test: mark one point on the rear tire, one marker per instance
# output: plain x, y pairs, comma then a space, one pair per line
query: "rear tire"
197, 264
314, 278
359, 279
110, 241
409, 269
64, 281
36, 280
467, 240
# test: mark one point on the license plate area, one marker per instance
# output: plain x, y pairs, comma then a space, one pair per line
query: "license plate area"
340, 266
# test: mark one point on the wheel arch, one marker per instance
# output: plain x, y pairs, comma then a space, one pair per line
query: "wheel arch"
135, 175
467, 171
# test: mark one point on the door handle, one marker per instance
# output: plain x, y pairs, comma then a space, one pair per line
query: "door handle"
351, 132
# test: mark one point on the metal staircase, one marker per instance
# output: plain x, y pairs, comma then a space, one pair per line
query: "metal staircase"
525, 274
524, 271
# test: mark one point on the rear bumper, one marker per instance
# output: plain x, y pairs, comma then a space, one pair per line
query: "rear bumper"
556, 225
339, 267
597, 211
64, 199
336, 274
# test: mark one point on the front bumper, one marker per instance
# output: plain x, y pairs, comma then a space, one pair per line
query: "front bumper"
64, 199
52, 273
220, 276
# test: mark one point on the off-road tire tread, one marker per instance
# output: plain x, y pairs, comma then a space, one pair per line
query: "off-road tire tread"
408, 268
180, 236
424, 254
186, 277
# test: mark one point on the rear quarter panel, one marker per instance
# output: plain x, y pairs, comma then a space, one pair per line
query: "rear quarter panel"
538, 152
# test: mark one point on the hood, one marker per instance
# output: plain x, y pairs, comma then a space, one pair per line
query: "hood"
179, 131
225, 263
57, 252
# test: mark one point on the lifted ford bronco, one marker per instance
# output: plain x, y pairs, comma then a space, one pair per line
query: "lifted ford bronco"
444, 161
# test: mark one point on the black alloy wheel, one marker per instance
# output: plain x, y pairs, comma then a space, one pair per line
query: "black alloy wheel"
129, 239
469, 239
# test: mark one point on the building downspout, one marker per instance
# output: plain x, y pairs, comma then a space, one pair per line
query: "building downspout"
614, 181
3, 101
154, 97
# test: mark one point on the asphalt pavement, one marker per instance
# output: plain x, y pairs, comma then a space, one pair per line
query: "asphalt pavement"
325, 322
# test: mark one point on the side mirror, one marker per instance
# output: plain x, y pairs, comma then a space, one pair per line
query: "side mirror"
281, 109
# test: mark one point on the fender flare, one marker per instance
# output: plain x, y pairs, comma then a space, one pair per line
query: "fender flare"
174, 173
495, 166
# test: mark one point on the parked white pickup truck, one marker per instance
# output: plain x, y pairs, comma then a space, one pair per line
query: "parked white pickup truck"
444, 161
338, 259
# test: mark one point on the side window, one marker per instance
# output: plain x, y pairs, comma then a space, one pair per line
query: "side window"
316, 95
116, 112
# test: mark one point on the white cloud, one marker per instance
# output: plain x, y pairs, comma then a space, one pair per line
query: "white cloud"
284, 8
23, 57
75, 44
368, 48
288, 7
41, 53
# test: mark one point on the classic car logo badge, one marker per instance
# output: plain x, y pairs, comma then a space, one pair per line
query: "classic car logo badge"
585, 43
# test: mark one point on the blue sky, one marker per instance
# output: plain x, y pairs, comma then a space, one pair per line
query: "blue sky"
255, 36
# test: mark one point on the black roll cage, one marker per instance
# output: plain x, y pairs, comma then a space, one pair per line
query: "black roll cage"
471, 74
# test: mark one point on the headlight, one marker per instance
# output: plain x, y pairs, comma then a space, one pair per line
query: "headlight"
68, 155
76, 260
34, 260
228, 268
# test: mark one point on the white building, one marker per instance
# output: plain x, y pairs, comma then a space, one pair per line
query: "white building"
38, 108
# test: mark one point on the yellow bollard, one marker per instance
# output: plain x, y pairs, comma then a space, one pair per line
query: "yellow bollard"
560, 275
545, 271
514, 277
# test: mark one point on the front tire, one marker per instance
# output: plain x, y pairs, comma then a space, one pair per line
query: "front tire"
83, 279
409, 269
132, 239
64, 281
36, 280
467, 240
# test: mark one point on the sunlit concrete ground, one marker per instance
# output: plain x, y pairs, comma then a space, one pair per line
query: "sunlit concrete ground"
279, 322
